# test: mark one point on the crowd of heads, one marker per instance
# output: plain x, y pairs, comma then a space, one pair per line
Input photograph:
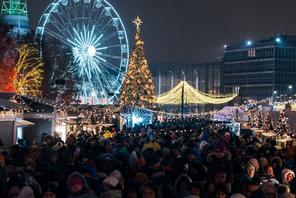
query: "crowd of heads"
183, 158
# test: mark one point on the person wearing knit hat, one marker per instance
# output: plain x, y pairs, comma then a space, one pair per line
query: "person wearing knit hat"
111, 181
287, 176
111, 187
269, 189
237, 195
263, 164
250, 176
276, 162
117, 174
77, 186
26, 192
50, 190
254, 162
203, 144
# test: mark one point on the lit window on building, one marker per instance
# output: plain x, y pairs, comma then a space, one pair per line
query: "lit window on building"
251, 53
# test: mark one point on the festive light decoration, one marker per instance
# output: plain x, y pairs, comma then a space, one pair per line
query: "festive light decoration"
191, 96
259, 120
138, 89
29, 69
250, 119
14, 7
6, 78
8, 58
62, 84
281, 127
92, 37
268, 123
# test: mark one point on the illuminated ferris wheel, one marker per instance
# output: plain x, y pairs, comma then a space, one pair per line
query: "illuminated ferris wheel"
95, 42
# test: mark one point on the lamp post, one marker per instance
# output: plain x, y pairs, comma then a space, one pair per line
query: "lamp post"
273, 96
183, 73
172, 79
290, 90
196, 79
159, 83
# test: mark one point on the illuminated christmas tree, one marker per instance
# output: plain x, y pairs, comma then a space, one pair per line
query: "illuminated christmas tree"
259, 120
281, 127
268, 123
138, 89
250, 120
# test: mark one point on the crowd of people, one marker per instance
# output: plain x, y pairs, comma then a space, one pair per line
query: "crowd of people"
179, 158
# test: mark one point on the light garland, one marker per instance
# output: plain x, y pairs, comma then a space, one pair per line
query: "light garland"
29, 69
191, 96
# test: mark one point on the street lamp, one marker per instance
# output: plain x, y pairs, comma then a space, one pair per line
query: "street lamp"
183, 73
290, 87
273, 96
172, 79
196, 79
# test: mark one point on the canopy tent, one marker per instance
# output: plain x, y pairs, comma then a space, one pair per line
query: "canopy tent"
183, 92
7, 104
23, 123
229, 113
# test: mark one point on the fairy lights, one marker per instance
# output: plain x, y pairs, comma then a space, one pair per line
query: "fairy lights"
191, 96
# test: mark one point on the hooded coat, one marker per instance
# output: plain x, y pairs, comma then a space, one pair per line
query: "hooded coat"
84, 193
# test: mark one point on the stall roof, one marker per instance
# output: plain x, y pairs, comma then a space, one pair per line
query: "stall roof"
22, 123
6, 95
6, 104
70, 122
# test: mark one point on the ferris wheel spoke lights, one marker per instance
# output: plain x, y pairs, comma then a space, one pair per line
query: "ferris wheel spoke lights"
94, 41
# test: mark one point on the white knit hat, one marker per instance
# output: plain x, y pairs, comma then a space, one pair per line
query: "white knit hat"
116, 173
111, 180
285, 173
237, 195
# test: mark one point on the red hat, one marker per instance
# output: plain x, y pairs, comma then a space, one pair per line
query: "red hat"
75, 180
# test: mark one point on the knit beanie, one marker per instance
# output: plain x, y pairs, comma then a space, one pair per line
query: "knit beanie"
26, 192
254, 162
111, 180
237, 195
277, 160
75, 179
50, 187
117, 174
285, 173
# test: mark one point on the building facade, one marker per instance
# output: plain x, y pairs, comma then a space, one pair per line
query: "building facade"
260, 69
204, 76
14, 13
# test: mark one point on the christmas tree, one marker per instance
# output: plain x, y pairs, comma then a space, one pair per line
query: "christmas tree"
138, 89
250, 120
268, 123
259, 120
281, 127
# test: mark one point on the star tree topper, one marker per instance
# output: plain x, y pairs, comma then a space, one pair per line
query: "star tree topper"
138, 23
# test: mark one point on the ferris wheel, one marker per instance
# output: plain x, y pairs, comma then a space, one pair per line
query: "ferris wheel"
93, 39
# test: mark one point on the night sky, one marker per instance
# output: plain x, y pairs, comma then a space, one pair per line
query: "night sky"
191, 31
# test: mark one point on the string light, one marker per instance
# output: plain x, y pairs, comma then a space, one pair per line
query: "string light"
138, 89
191, 96
29, 69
